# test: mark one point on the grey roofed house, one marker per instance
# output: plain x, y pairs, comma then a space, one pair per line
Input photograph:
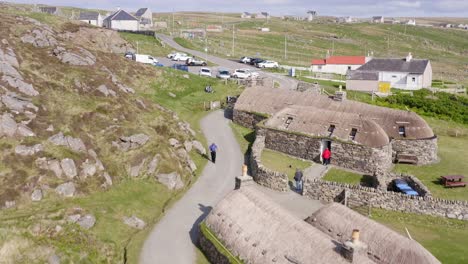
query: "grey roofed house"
121, 15
395, 65
48, 9
363, 75
89, 16
140, 12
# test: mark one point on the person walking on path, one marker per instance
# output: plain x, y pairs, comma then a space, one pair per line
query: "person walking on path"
213, 149
298, 178
326, 156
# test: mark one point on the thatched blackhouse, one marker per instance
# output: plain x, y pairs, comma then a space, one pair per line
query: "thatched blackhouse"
361, 137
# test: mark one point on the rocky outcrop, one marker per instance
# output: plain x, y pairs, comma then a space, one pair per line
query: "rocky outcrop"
131, 142
106, 91
172, 180
40, 38
23, 150
199, 147
134, 222
174, 142
122, 87
8, 67
67, 189
88, 169
74, 144
81, 57
9, 127
17, 103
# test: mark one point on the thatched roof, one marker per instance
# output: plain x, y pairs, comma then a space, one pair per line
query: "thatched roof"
256, 229
339, 221
316, 122
270, 101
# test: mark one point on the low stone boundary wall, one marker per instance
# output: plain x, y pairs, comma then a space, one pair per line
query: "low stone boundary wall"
246, 119
210, 250
332, 191
262, 175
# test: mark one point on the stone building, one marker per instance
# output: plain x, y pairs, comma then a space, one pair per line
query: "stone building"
360, 136
257, 230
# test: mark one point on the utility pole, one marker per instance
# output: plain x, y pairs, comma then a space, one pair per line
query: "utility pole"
173, 24
285, 46
233, 38
333, 47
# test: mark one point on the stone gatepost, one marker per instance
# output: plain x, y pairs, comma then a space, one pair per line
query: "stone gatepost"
244, 179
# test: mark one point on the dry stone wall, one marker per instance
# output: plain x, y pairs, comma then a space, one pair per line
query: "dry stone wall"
210, 251
247, 119
424, 149
346, 155
262, 175
358, 195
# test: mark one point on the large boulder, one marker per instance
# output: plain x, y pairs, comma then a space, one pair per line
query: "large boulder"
199, 147
75, 144
66, 189
69, 168
8, 125
134, 222
81, 57
40, 38
131, 142
11, 76
17, 103
172, 180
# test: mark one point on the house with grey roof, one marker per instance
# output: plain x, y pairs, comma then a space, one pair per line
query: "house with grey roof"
121, 20
91, 18
146, 17
246, 15
52, 10
406, 74
262, 15
378, 19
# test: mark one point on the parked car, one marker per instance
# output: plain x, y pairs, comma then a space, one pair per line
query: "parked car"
146, 59
205, 72
268, 64
255, 61
223, 74
180, 67
181, 57
195, 62
244, 74
171, 55
129, 55
245, 60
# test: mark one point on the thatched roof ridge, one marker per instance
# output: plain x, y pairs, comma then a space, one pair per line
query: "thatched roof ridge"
316, 122
259, 231
390, 247
270, 101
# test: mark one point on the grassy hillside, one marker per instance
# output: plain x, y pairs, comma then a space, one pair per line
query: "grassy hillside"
446, 48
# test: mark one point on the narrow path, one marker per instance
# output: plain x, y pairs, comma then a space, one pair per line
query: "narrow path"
284, 81
172, 240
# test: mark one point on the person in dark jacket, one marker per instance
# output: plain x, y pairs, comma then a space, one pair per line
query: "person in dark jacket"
298, 178
213, 149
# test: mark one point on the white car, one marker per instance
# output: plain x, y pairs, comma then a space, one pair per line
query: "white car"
171, 55
268, 64
181, 57
244, 74
147, 59
205, 72
245, 60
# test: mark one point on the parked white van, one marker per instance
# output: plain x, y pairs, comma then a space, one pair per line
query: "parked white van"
147, 59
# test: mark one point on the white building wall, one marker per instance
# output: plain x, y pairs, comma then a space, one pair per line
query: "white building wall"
402, 80
125, 24
90, 22
334, 68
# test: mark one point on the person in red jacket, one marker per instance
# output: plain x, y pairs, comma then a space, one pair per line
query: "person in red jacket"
326, 155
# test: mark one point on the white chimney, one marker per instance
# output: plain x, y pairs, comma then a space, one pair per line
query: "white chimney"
118, 8
409, 57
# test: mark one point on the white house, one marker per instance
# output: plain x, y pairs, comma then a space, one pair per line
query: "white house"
311, 14
92, 18
145, 16
406, 73
411, 22
246, 15
121, 20
347, 19
378, 19
338, 64
262, 15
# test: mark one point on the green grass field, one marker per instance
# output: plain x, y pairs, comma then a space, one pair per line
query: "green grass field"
280, 162
146, 44
446, 239
344, 176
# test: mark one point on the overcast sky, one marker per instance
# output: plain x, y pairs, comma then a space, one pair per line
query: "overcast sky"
358, 8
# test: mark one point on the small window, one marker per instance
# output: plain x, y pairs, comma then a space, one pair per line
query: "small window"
413, 79
402, 131
331, 129
353, 133
393, 76
319, 67
349, 67
288, 121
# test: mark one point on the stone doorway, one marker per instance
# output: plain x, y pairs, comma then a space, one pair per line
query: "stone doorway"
325, 143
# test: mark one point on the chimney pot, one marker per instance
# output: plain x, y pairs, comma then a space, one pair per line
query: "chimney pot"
355, 236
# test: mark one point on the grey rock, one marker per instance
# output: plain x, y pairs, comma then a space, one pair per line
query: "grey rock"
24, 131
50, 128
23, 150
153, 165
452, 216
172, 95
80, 58
87, 221
20, 84
41, 163
465, 217
16, 103
66, 189
73, 218
88, 169
40, 38
134, 222
108, 178
36, 195
58, 139
106, 91
135, 171
54, 166
192, 165
69, 168
199, 147
8, 125
181, 153
75, 144
99, 164
188, 146
131, 142
141, 103
53, 259
173, 142
139, 139
172, 180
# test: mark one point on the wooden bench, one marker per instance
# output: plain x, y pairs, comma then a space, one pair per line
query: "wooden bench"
406, 158
453, 181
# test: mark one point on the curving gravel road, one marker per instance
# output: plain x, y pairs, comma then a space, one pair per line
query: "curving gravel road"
173, 238
284, 81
